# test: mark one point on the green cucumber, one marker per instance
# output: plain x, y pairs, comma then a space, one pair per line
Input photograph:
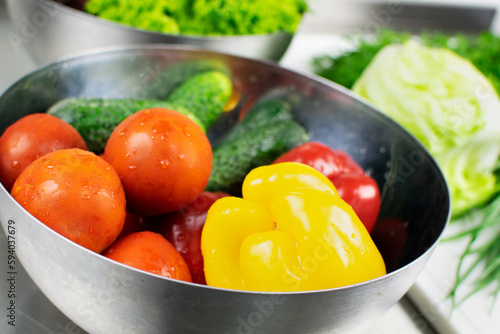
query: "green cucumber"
205, 95
163, 81
96, 118
201, 97
234, 159
259, 116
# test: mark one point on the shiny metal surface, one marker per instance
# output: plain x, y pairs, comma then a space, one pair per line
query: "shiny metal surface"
102, 296
50, 31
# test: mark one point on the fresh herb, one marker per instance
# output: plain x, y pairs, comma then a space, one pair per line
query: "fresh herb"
482, 50
486, 253
346, 68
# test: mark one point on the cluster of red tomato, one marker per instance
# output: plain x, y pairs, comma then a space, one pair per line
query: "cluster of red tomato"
143, 199
156, 161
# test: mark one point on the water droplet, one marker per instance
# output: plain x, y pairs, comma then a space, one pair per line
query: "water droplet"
164, 163
85, 196
179, 263
132, 167
15, 164
180, 237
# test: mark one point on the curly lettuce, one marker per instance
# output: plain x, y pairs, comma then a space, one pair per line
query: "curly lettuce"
203, 17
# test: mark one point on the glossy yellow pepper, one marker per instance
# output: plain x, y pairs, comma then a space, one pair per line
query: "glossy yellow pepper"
290, 232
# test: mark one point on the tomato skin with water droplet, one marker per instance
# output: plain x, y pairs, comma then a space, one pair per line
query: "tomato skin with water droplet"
163, 158
150, 252
75, 193
362, 193
31, 137
183, 229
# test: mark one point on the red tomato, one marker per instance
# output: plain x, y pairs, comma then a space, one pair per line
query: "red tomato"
390, 236
361, 192
31, 137
75, 193
183, 229
320, 156
163, 158
150, 252
133, 223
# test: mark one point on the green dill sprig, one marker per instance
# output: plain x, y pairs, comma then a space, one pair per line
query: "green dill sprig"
483, 50
485, 253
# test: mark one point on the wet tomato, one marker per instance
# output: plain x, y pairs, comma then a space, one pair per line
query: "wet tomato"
163, 158
361, 192
31, 137
133, 223
328, 161
183, 229
150, 252
75, 193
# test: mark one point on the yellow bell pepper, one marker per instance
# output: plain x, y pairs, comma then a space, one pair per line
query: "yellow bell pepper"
290, 232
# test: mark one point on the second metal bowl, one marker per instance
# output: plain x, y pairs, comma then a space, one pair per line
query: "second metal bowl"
50, 31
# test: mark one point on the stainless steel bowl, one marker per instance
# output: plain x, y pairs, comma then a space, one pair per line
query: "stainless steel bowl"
103, 296
50, 31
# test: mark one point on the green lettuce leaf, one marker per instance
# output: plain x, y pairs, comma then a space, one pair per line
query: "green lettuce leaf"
469, 171
447, 104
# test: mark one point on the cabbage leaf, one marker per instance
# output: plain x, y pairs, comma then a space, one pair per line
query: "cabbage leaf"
448, 105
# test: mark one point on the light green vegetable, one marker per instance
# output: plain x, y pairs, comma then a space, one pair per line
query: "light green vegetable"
444, 101
482, 49
147, 14
203, 17
469, 170
438, 96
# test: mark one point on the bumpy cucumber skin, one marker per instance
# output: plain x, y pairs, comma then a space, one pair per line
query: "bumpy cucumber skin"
233, 160
259, 116
166, 80
96, 118
201, 98
207, 106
